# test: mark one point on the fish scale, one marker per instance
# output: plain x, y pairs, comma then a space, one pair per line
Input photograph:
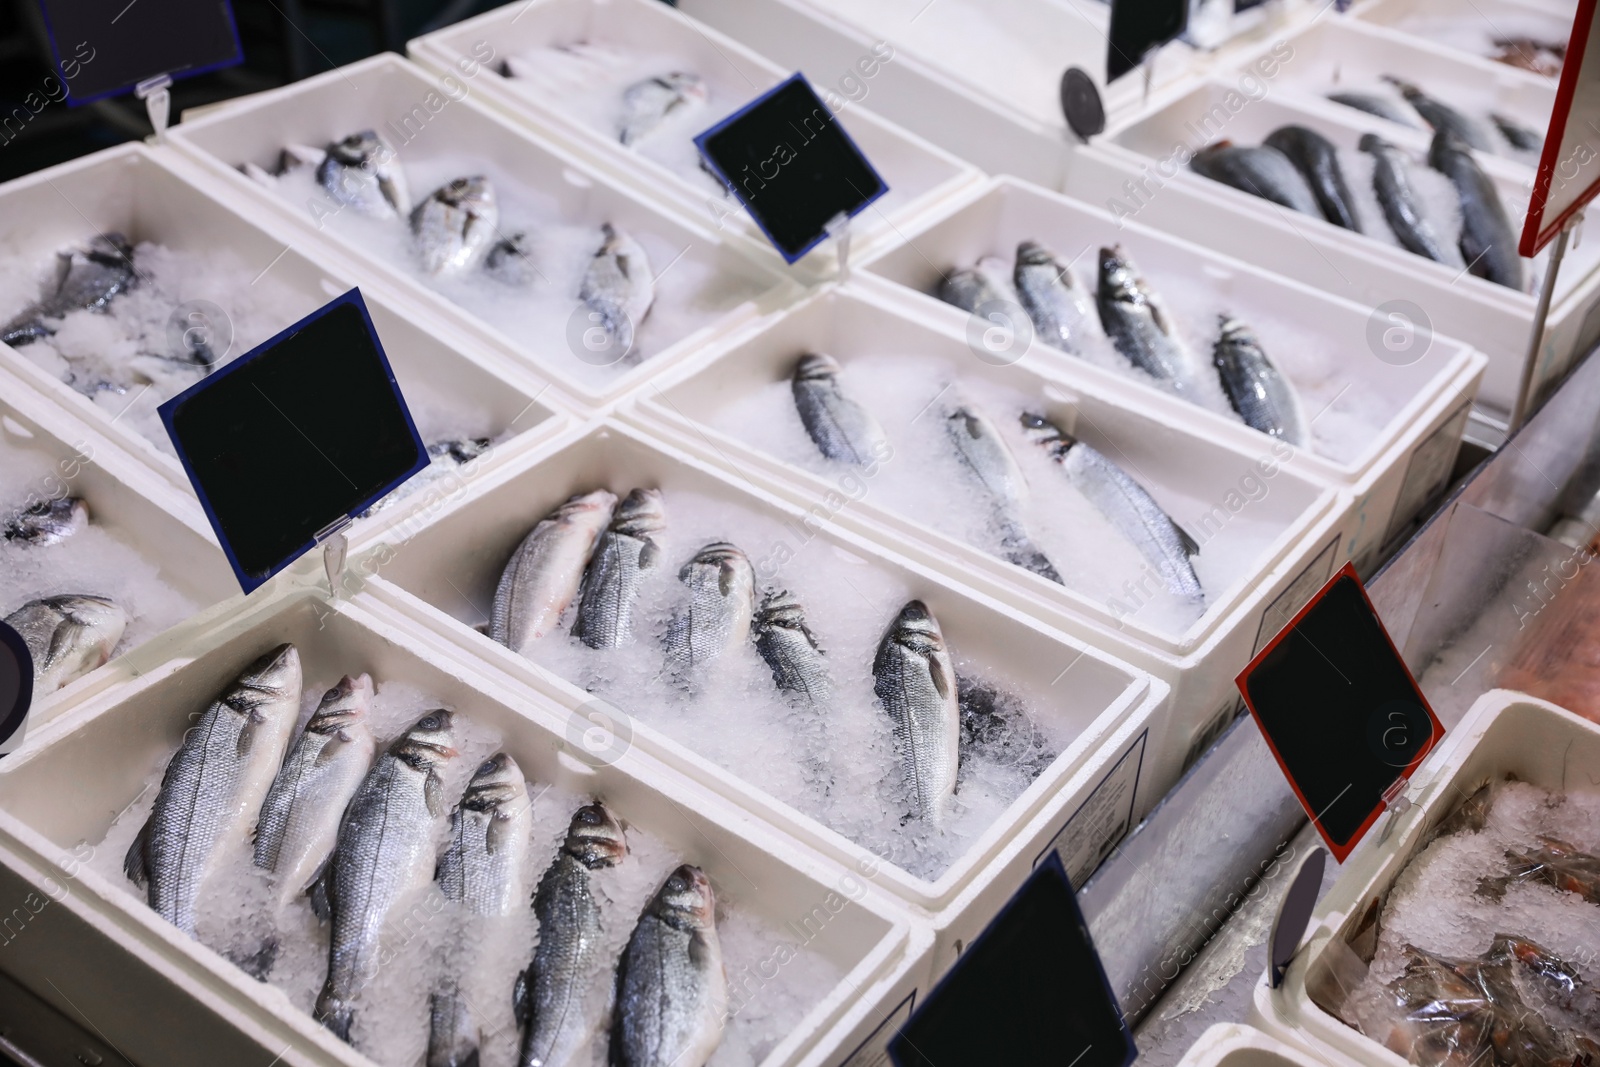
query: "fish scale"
672, 992
716, 617
622, 560
915, 681
1261, 395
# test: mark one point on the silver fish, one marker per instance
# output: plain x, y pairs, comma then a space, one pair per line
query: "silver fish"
362, 172
1379, 106
1125, 504
624, 557
1488, 244
299, 820
1317, 160
383, 861
970, 288
1441, 116
1261, 395
671, 991
1137, 323
842, 429
68, 636
716, 617
453, 228
1052, 297
1259, 170
214, 786
87, 279
48, 522
618, 288
791, 650
915, 681
546, 570
562, 996
647, 103
1391, 180
984, 455
483, 868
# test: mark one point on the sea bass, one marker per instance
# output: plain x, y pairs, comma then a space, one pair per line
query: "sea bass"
1262, 171
68, 636
452, 229
1137, 323
562, 996
1261, 395
622, 560
86, 279
842, 429
618, 289
1487, 242
716, 617
1314, 156
648, 103
1052, 297
1392, 182
383, 861
791, 650
915, 681
671, 990
1441, 116
983, 453
1125, 504
48, 522
362, 172
214, 786
545, 571
970, 288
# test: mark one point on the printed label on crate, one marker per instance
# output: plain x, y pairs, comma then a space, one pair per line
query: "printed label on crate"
1286, 603
1102, 820
1429, 470
874, 1051
1207, 735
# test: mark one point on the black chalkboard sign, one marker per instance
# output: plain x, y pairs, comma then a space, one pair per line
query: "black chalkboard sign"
1138, 26
102, 49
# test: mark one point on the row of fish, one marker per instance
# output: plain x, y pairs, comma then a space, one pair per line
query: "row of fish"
1419, 110
844, 431
1298, 168
358, 830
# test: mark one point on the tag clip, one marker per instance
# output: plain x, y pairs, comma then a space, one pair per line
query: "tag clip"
839, 229
335, 546
157, 96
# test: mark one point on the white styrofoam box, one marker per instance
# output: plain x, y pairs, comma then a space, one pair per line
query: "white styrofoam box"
1472, 30
443, 575
151, 196
1394, 473
429, 117
107, 748
1237, 1045
634, 32
1506, 734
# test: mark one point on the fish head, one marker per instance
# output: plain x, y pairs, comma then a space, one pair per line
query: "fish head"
1119, 279
643, 512
595, 506
779, 609
1406, 89
690, 86
686, 899
1233, 331
1447, 143
277, 670
732, 565
497, 781
48, 522
112, 249
916, 630
473, 194
1034, 254
1041, 431
596, 837
430, 742
816, 367
344, 705
361, 149
102, 616
1373, 144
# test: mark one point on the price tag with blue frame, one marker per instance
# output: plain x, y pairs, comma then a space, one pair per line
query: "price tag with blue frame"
103, 49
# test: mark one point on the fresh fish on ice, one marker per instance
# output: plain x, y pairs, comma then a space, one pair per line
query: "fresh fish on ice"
1441, 116
1379, 106
1261, 171
1487, 242
622, 561
383, 861
671, 990
1125, 504
214, 786
511, 260
790, 649
363, 172
969, 288
563, 996
618, 288
648, 103
1138, 324
1521, 137
68, 636
1052, 297
546, 570
842, 429
1314, 156
445, 458
452, 229
983, 453
1391, 181
915, 681
1260, 394
86, 280
716, 617
48, 522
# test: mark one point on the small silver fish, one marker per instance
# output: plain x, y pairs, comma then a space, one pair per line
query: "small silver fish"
1391, 180
671, 990
842, 429
648, 103
544, 573
1138, 324
716, 617
985, 456
453, 228
362, 172
622, 560
1052, 297
915, 681
791, 650
48, 522
1263, 397
618, 288
86, 279
970, 288
68, 636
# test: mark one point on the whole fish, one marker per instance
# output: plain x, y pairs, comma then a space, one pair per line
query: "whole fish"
647, 104
915, 681
1137, 323
622, 560
716, 617
1261, 171
1052, 297
983, 453
970, 288
300, 818
1314, 156
545, 571
1519, 136
491, 835
453, 228
68, 636
86, 279
561, 997
842, 429
1263, 397
48, 522
383, 861
791, 650
1487, 242
671, 990
618, 289
362, 172
1441, 116
1125, 504
214, 786
1379, 106
1391, 181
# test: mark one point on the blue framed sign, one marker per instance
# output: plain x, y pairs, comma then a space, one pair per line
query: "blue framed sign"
103, 49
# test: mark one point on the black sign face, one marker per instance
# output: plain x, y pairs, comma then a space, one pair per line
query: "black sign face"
1029, 989
102, 49
295, 435
1138, 26
792, 165
1340, 710
16, 685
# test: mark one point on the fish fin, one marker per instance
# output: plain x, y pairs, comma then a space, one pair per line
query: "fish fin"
321, 891
520, 992
433, 794
725, 579
1191, 547
335, 1014
331, 748
247, 735
649, 555
63, 639
257, 964
940, 682
498, 834
133, 864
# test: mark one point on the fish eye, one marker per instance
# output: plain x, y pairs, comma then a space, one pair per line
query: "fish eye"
589, 816
429, 722
677, 883
330, 694
490, 764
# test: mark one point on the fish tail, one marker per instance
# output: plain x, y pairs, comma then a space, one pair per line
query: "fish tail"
1020, 550
335, 1014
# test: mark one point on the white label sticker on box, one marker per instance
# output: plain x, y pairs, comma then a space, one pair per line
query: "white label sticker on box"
1102, 820
1428, 471
874, 1051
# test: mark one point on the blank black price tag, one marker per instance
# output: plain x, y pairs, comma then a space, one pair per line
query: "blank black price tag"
1340, 711
1029, 989
792, 165
104, 48
295, 435
16, 687
1138, 26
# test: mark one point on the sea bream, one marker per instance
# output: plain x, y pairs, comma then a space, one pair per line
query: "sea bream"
67, 636
1391, 180
618, 289
1125, 504
86, 279
647, 104
986, 458
48, 522
1052, 297
362, 172
562, 997
1262, 396
671, 989
715, 618
452, 229
214, 786
1261, 171
1138, 324
1315, 157
383, 861
915, 681
1488, 244
622, 561
544, 573
841, 428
